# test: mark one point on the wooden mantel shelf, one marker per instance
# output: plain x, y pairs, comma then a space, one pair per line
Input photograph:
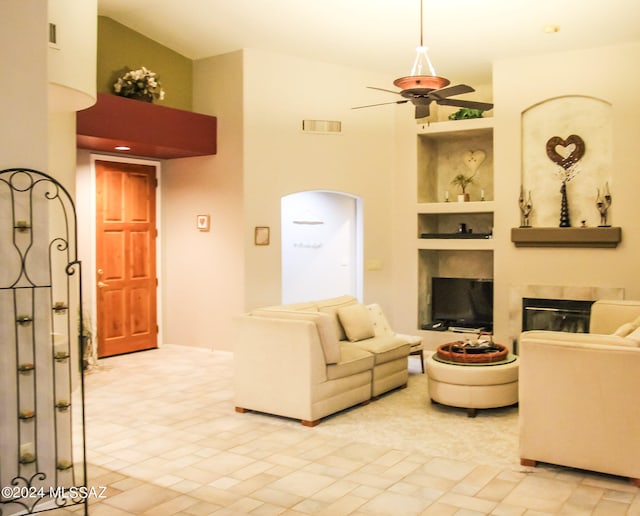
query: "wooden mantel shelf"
150, 130
566, 237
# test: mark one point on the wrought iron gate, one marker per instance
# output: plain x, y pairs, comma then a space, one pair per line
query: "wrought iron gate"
42, 419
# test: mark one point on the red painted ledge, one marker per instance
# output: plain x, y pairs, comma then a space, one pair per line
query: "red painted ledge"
149, 129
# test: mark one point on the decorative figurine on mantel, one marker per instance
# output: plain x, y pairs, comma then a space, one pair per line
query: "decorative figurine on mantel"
526, 205
603, 203
565, 154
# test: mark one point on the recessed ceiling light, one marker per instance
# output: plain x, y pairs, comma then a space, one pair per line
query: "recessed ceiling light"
551, 28
122, 148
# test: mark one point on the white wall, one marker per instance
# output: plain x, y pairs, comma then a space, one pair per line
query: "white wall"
72, 82
202, 272
23, 132
280, 159
260, 100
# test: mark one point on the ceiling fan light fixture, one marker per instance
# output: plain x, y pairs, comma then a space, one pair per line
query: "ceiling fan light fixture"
423, 75
422, 63
411, 83
423, 87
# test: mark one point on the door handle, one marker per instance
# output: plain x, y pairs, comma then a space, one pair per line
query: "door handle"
101, 284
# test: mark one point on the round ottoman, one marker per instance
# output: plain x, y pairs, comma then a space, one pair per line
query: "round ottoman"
473, 386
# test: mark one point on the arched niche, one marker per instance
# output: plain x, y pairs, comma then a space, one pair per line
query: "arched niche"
321, 245
589, 118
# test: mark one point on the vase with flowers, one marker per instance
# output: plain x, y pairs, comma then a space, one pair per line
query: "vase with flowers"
141, 84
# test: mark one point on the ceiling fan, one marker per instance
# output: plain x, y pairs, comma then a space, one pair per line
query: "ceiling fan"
421, 90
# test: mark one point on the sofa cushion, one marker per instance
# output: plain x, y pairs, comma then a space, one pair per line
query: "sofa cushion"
624, 330
331, 306
324, 323
385, 348
353, 360
634, 336
380, 324
607, 315
356, 322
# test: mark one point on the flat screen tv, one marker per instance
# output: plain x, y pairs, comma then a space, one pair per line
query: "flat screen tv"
462, 302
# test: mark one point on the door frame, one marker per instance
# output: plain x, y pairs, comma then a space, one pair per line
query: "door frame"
91, 275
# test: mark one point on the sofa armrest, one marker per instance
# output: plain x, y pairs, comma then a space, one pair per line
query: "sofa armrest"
325, 324
276, 364
578, 404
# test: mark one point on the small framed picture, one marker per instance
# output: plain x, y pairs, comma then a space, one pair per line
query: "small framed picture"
262, 235
203, 222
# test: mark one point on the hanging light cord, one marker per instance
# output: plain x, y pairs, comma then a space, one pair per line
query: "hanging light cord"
421, 23
422, 61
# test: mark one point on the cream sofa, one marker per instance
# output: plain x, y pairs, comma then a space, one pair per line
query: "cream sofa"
578, 393
308, 360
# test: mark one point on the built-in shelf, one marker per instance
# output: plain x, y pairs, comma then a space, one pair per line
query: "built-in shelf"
456, 244
459, 236
147, 129
449, 126
456, 207
566, 237
454, 239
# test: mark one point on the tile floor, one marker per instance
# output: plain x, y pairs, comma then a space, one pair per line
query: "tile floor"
163, 438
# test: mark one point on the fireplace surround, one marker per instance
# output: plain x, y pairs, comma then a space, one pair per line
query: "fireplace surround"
567, 292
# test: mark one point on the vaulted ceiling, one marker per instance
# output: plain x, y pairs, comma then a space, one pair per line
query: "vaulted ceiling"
463, 36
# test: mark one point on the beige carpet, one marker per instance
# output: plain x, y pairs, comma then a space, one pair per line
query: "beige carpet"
406, 419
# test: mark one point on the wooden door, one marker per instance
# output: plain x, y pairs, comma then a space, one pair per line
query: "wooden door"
125, 257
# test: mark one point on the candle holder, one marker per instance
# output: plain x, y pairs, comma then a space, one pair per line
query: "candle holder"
526, 206
603, 203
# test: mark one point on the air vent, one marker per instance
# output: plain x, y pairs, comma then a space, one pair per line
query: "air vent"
322, 126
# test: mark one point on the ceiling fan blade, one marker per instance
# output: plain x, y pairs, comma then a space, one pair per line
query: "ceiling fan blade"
382, 89
381, 104
484, 106
422, 111
450, 91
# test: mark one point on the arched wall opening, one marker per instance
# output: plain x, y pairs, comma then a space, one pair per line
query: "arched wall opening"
321, 245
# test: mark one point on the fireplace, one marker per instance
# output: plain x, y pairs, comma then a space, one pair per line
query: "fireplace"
517, 293
568, 315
